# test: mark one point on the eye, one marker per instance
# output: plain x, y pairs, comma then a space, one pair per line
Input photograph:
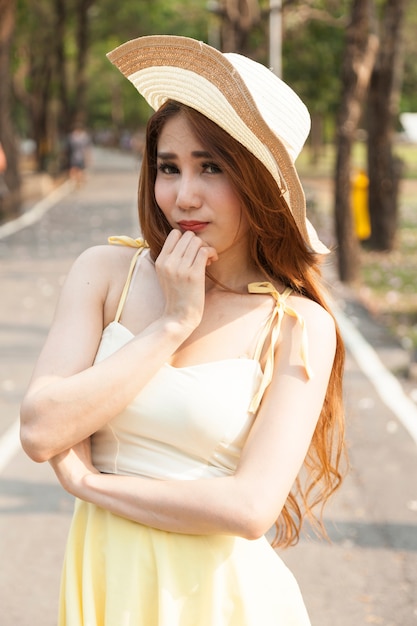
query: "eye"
212, 168
167, 168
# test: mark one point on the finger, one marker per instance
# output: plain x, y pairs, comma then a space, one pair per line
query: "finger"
212, 255
191, 241
207, 254
171, 241
181, 250
176, 246
188, 248
197, 259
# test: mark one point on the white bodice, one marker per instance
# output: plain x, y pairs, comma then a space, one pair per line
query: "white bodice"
186, 423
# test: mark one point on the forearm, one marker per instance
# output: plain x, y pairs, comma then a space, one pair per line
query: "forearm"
59, 412
204, 506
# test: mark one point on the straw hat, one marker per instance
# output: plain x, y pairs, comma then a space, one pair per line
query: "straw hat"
242, 96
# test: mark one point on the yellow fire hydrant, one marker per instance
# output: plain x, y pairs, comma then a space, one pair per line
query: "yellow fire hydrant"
359, 198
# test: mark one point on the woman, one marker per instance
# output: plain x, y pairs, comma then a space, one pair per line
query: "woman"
189, 392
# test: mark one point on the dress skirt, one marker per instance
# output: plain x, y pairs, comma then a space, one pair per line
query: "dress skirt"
120, 573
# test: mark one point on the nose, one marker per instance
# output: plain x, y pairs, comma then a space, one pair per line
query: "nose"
189, 192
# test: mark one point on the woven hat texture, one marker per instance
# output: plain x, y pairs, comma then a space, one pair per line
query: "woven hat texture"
242, 96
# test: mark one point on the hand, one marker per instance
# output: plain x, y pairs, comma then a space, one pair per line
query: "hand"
181, 268
73, 465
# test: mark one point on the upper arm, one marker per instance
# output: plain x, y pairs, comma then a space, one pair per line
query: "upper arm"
77, 326
285, 423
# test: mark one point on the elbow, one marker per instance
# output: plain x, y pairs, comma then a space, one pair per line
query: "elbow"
32, 437
255, 521
252, 508
254, 529
33, 445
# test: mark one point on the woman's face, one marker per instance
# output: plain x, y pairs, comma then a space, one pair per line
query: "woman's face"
193, 192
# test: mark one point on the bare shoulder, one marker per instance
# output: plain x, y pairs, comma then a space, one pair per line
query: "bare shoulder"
320, 328
315, 316
104, 257
103, 270
308, 339
96, 273
101, 266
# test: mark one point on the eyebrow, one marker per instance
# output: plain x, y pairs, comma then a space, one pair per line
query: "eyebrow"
198, 154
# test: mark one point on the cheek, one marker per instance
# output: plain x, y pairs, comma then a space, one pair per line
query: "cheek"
235, 210
163, 196
241, 221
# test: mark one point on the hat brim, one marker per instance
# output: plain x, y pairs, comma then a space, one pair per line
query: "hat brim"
169, 67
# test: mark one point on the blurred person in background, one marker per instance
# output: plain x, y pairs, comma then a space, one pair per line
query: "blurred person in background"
79, 147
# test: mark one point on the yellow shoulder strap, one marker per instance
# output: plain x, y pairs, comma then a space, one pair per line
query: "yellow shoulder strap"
274, 326
140, 244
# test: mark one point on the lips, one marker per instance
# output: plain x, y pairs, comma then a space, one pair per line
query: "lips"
192, 225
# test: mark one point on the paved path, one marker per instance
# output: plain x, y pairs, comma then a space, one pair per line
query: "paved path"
368, 575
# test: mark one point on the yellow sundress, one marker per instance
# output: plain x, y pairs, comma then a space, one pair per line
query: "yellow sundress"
187, 423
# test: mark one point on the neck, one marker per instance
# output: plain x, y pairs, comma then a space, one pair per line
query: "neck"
233, 270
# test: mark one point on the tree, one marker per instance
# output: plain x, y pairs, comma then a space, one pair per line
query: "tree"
111, 99
384, 169
82, 37
50, 77
61, 73
409, 91
359, 59
7, 136
312, 57
238, 19
60, 18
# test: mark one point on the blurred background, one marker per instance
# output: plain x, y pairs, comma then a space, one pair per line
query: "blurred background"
352, 61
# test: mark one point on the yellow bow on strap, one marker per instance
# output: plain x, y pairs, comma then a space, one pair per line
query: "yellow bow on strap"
274, 326
124, 240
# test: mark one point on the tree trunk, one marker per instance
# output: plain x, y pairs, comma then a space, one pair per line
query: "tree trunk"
82, 8
10, 204
64, 122
41, 73
384, 169
359, 58
238, 19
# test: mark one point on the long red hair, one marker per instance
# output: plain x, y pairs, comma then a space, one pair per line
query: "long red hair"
278, 250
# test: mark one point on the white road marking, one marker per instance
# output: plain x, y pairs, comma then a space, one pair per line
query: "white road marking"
385, 383
9, 444
10, 440
37, 211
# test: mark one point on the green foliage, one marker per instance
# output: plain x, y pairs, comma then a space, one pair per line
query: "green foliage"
409, 91
312, 53
312, 60
111, 97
